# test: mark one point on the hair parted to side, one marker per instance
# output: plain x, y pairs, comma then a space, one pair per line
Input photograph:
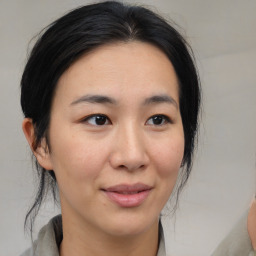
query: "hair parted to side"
83, 30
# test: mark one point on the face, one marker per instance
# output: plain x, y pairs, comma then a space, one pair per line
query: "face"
116, 138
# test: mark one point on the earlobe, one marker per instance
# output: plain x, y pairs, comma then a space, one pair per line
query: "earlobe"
40, 151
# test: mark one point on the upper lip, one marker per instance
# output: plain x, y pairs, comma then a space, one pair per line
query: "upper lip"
122, 188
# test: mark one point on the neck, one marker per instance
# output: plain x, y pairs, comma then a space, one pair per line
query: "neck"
81, 240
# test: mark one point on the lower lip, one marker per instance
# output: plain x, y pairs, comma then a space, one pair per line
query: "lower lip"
128, 200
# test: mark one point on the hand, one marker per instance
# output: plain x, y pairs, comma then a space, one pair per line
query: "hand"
251, 223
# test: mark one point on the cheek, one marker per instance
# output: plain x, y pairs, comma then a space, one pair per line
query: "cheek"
77, 158
168, 156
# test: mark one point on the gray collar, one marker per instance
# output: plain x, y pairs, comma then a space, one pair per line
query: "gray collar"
50, 237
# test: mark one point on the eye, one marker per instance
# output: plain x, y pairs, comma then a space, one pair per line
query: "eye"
97, 120
158, 120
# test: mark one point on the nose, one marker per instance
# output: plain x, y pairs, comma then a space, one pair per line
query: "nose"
129, 151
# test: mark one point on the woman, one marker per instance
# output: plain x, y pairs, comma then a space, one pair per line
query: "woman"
111, 97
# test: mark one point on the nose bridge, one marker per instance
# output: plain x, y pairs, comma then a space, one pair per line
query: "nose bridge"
132, 139
129, 151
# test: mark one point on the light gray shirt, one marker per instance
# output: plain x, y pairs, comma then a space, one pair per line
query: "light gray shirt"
50, 237
237, 242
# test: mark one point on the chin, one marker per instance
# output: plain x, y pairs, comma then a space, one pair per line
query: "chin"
131, 225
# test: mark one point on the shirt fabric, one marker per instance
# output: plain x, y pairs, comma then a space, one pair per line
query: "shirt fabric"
237, 242
50, 237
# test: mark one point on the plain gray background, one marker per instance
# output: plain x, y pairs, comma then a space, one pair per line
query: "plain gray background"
223, 36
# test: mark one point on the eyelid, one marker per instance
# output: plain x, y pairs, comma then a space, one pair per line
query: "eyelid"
87, 118
168, 120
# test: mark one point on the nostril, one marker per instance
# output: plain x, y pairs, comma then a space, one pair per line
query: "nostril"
130, 160
131, 167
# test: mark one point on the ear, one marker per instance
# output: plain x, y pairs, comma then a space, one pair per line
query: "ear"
41, 151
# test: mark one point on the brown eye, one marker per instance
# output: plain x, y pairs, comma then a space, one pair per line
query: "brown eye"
158, 120
97, 120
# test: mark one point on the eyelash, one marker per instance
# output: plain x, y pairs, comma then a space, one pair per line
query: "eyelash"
87, 119
165, 118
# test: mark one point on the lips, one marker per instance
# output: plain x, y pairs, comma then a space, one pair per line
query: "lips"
125, 195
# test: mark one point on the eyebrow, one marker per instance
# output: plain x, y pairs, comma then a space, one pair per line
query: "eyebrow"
102, 99
94, 99
163, 98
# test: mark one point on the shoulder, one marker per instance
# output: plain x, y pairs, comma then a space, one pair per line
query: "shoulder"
28, 252
48, 240
237, 242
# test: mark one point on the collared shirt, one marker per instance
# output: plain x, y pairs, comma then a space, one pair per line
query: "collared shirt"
50, 237
237, 243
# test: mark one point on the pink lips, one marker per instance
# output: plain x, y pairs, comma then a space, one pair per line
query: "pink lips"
128, 195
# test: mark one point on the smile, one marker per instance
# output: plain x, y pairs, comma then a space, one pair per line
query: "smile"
128, 195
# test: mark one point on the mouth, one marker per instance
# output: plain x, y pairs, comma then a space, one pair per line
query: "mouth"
127, 196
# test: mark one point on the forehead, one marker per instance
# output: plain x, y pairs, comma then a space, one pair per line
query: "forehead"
132, 68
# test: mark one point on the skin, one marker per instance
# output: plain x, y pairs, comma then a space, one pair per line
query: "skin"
129, 147
251, 223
